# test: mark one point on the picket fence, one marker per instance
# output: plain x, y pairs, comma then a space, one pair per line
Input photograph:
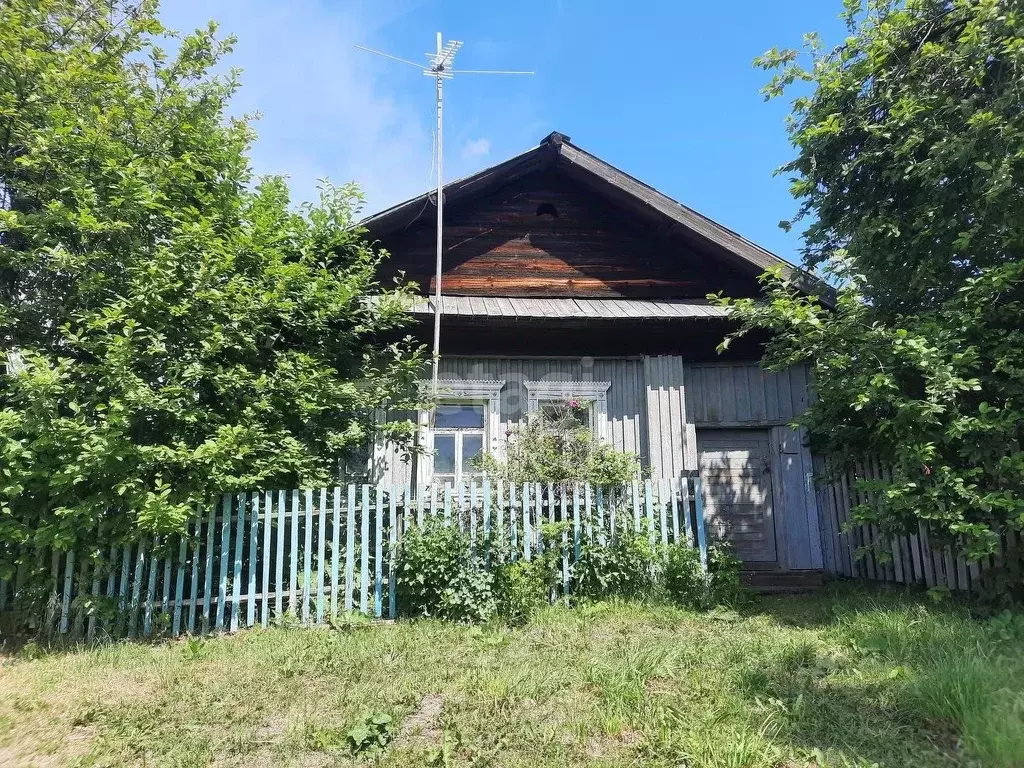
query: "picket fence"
310, 554
863, 551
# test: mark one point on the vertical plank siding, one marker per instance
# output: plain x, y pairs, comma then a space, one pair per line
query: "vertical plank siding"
255, 557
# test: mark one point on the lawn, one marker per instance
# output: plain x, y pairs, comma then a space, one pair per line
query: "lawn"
844, 678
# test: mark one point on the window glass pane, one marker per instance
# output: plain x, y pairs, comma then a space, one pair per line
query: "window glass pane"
444, 454
560, 415
468, 415
472, 446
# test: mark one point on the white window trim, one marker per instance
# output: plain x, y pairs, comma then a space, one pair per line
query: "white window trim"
595, 392
454, 391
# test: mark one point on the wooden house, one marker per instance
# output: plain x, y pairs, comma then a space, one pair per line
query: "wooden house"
566, 277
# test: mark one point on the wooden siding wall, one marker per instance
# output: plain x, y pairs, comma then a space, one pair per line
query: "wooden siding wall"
673, 440
744, 394
627, 422
498, 245
652, 413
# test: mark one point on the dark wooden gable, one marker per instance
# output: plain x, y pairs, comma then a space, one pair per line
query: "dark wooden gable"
547, 234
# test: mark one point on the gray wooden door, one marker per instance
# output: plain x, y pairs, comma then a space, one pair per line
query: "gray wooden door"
735, 470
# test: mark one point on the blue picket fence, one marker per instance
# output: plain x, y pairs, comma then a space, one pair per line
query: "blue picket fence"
312, 554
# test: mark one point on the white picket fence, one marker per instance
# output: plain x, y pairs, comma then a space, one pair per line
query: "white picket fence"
315, 553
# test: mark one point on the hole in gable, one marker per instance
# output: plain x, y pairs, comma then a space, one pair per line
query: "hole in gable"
547, 209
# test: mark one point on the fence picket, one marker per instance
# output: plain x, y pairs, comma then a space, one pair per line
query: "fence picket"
364, 557
527, 532
393, 548
601, 538
350, 545
293, 571
565, 534
279, 564
378, 558
254, 539
236, 577
698, 503
588, 507
576, 532
487, 521
649, 509
147, 622
265, 558
193, 584
307, 556
513, 521
179, 583
133, 610
321, 553
122, 600
225, 551
69, 574
335, 545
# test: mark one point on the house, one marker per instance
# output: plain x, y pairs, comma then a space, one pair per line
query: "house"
565, 277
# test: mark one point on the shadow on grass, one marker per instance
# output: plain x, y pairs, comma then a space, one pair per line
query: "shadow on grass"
890, 678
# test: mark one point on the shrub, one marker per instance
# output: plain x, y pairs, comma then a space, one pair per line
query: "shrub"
625, 567
521, 589
440, 575
688, 585
725, 587
555, 446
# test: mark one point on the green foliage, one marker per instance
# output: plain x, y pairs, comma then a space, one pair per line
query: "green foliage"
522, 588
910, 172
439, 574
556, 446
370, 735
627, 566
724, 583
687, 584
170, 328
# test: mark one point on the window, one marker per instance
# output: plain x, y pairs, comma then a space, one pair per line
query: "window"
555, 400
466, 423
459, 433
567, 412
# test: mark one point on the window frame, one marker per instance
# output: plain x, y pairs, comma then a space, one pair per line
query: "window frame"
455, 392
593, 392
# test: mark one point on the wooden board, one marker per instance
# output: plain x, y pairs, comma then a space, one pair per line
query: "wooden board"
509, 243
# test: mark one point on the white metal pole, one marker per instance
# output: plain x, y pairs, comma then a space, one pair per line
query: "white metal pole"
440, 225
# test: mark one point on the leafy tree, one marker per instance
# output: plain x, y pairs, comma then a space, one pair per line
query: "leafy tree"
910, 171
171, 329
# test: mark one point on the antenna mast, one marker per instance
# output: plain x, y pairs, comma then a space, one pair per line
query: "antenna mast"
440, 67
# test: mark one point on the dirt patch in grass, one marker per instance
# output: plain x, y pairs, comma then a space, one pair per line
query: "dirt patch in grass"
422, 729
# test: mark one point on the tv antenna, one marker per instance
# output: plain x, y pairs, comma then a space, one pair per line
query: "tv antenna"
440, 66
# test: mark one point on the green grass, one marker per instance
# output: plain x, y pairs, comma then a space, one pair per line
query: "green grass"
845, 678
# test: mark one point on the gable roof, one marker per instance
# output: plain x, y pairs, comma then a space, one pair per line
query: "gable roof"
556, 152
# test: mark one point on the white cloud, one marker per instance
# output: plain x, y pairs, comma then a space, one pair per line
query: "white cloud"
328, 110
476, 148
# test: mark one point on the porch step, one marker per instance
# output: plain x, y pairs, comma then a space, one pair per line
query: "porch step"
781, 582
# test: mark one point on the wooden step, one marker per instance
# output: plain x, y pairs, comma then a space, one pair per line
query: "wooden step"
776, 582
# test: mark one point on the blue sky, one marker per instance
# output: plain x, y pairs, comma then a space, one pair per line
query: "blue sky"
663, 89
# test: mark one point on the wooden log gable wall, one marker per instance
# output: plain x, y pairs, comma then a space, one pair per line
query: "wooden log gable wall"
656, 406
